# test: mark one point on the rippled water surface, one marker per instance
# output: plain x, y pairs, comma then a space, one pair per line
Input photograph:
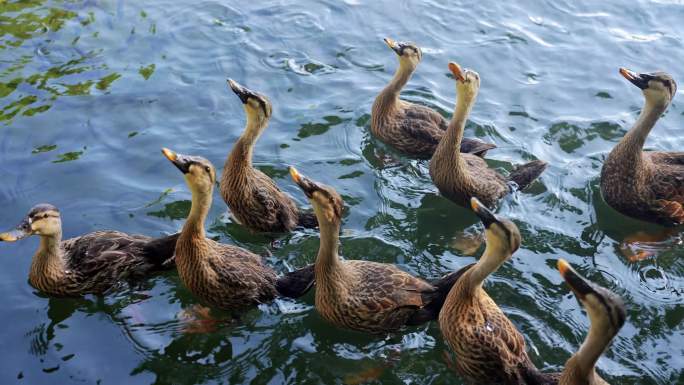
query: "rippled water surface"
90, 90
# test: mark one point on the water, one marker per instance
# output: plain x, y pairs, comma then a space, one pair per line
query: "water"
90, 91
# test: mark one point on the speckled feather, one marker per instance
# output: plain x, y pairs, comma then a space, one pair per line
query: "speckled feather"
99, 261
417, 130
369, 296
255, 201
650, 189
489, 349
224, 276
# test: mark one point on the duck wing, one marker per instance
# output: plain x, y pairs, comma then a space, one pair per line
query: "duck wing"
434, 299
661, 157
277, 209
668, 189
241, 276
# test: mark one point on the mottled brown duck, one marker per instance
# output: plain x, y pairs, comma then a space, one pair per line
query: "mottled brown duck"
412, 128
363, 295
646, 185
224, 276
489, 349
606, 312
253, 198
88, 264
460, 176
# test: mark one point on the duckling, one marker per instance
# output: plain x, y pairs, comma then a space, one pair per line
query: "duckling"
412, 128
460, 176
224, 276
488, 347
88, 264
363, 295
253, 198
646, 185
607, 313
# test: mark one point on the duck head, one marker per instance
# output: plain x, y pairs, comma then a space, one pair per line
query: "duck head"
199, 173
605, 309
409, 53
326, 202
43, 219
658, 87
257, 106
503, 236
467, 81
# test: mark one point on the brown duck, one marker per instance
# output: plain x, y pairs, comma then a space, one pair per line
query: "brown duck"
224, 276
646, 185
253, 198
460, 176
606, 312
89, 264
488, 347
409, 127
363, 295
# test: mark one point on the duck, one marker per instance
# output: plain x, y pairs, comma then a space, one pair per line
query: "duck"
223, 276
489, 349
255, 201
93, 263
646, 185
412, 128
362, 295
460, 176
606, 311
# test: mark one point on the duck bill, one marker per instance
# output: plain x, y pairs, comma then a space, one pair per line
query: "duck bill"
180, 161
242, 92
456, 71
20, 232
486, 216
637, 79
394, 45
304, 183
580, 286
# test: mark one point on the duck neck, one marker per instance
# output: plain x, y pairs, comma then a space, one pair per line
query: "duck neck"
386, 102
240, 157
491, 260
631, 146
584, 361
327, 260
199, 209
449, 147
48, 261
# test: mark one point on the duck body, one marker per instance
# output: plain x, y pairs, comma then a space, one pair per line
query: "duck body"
646, 185
412, 128
362, 295
92, 263
488, 348
224, 276
255, 201
461, 176
221, 275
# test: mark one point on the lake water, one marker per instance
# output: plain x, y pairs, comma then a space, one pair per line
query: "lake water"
91, 90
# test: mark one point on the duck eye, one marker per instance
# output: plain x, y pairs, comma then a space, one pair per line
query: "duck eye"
207, 169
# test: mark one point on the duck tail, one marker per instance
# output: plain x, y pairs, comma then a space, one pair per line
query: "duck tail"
296, 283
476, 147
525, 174
307, 220
435, 299
160, 251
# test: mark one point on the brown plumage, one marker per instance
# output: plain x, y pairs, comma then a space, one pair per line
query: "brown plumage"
253, 198
92, 263
646, 185
607, 313
224, 276
489, 349
363, 295
408, 127
460, 176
